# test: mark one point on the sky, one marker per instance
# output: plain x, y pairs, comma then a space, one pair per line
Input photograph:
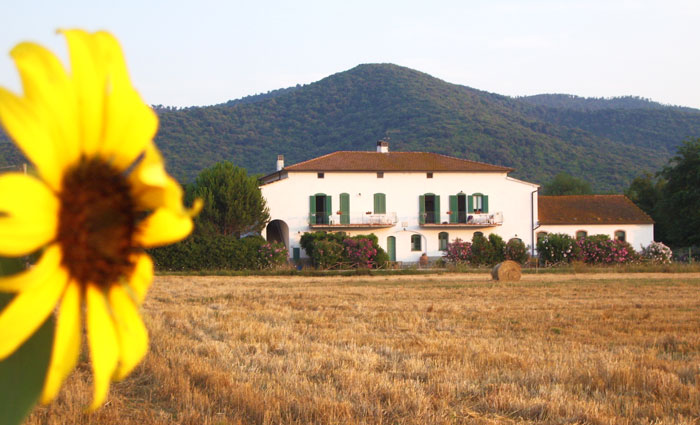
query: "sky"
204, 52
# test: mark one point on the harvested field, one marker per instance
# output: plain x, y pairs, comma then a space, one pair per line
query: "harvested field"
448, 349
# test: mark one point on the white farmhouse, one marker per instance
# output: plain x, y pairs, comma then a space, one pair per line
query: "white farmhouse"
583, 215
414, 202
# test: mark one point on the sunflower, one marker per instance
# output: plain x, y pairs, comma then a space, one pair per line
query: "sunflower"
101, 196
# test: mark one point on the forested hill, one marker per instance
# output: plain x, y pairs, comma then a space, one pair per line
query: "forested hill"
351, 110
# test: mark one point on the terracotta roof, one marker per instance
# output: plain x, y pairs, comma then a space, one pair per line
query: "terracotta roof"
590, 209
391, 161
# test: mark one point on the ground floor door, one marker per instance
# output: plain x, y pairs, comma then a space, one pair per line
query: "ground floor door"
391, 247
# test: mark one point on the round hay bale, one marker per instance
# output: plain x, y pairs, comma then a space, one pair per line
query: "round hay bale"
507, 271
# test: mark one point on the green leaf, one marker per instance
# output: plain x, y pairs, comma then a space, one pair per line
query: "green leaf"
22, 373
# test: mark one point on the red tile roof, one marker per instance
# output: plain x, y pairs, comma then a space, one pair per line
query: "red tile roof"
590, 209
391, 161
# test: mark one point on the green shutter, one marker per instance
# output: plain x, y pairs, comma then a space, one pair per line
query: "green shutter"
296, 253
344, 208
329, 209
470, 204
485, 203
421, 209
453, 208
437, 209
312, 209
379, 203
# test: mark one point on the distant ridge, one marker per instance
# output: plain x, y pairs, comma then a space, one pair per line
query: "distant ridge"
605, 141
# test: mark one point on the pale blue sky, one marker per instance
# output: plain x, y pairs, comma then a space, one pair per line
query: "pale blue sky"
191, 52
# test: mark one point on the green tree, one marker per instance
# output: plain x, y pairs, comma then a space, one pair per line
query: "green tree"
565, 184
682, 195
647, 192
233, 203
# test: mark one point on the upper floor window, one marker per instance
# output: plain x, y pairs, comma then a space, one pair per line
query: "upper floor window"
443, 237
478, 203
415, 243
620, 235
429, 175
320, 175
379, 203
429, 208
458, 208
581, 234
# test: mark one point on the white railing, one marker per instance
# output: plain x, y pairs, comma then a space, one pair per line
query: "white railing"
468, 218
388, 219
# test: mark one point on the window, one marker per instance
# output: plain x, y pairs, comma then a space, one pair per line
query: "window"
429, 208
320, 208
581, 234
541, 235
442, 241
620, 235
320, 175
415, 243
458, 208
429, 175
478, 203
380, 174
478, 233
379, 203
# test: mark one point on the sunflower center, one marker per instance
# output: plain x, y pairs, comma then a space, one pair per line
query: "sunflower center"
96, 223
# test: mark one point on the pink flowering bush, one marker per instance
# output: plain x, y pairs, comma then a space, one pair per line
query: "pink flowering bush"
327, 253
458, 252
557, 248
360, 252
272, 254
600, 249
657, 253
516, 250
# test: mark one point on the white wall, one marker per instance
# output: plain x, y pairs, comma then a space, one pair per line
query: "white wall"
638, 235
288, 200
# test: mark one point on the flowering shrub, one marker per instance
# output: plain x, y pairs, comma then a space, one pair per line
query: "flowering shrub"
557, 248
516, 251
600, 249
327, 253
360, 252
356, 251
272, 254
657, 253
458, 251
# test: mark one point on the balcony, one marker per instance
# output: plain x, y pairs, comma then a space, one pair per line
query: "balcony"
352, 221
464, 220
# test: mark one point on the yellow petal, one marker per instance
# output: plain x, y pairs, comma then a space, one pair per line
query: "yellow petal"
28, 214
50, 93
66, 345
141, 278
89, 77
130, 124
163, 227
29, 279
104, 348
131, 333
28, 310
31, 135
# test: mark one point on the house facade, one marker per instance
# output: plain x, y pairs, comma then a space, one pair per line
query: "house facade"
582, 215
414, 202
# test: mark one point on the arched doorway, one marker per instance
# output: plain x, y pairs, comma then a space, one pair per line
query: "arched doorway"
278, 231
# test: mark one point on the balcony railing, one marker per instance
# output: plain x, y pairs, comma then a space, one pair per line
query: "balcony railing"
352, 220
463, 220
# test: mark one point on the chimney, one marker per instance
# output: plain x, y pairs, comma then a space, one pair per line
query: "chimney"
383, 146
280, 162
